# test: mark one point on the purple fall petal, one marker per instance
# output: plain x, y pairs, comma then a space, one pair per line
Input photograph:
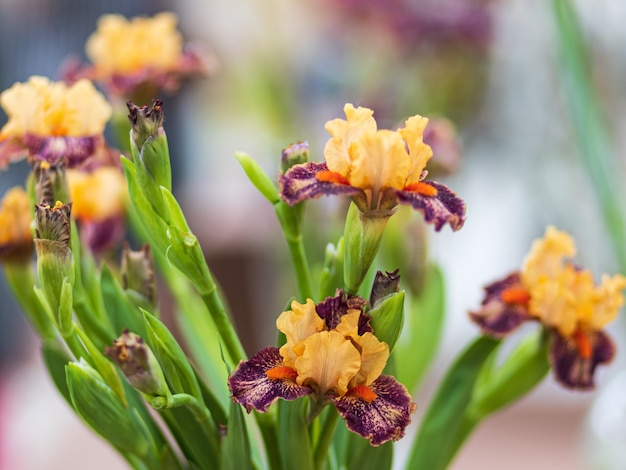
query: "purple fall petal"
300, 183
332, 309
251, 387
570, 368
71, 150
443, 208
383, 419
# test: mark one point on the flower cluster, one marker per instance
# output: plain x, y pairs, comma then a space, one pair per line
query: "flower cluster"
552, 289
332, 354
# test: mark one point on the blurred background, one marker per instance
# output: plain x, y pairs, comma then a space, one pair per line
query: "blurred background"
284, 68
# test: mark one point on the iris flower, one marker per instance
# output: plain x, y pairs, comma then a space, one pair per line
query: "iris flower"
564, 298
137, 58
52, 122
377, 168
332, 355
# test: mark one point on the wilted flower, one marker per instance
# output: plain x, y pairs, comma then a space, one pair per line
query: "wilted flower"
332, 355
53, 122
377, 168
553, 290
16, 215
139, 57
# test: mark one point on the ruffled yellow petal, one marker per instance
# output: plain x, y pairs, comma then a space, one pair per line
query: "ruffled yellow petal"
379, 160
359, 121
413, 134
329, 361
45, 108
98, 195
547, 255
16, 215
608, 299
298, 324
374, 356
349, 324
123, 46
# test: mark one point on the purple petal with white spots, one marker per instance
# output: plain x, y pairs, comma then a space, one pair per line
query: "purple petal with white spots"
497, 318
383, 419
250, 386
300, 183
443, 208
574, 371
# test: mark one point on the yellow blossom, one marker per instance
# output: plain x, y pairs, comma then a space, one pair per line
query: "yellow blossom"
16, 215
125, 46
44, 108
98, 195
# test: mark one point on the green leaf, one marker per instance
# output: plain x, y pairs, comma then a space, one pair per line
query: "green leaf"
122, 311
423, 327
296, 452
443, 430
331, 278
56, 358
236, 454
362, 456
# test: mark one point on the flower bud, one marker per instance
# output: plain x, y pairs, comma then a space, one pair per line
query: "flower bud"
50, 183
55, 261
295, 154
384, 285
138, 364
138, 273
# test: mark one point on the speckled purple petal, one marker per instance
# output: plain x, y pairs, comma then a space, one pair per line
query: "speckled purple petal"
444, 208
332, 309
300, 183
574, 371
382, 420
71, 150
250, 386
497, 318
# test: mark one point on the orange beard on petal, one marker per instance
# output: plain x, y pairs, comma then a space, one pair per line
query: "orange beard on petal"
363, 392
327, 176
583, 344
515, 295
422, 188
281, 373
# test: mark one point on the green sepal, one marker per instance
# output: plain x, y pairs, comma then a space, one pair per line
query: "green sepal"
65, 309
331, 277
175, 214
423, 327
123, 312
54, 264
258, 177
56, 358
388, 318
186, 254
173, 360
236, 452
104, 367
443, 430
362, 236
295, 448
155, 156
102, 410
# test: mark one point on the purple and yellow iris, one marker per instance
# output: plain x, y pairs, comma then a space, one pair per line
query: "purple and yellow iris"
16, 216
332, 355
52, 122
553, 290
377, 168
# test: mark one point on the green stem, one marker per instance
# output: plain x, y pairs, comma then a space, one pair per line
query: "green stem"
590, 128
325, 438
301, 266
224, 325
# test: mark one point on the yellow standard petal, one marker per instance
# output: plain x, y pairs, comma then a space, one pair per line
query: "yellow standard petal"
374, 356
45, 108
298, 324
359, 121
546, 256
420, 153
122, 46
329, 362
608, 298
98, 195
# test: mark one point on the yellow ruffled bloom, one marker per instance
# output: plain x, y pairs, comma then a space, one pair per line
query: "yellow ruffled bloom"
98, 195
372, 159
563, 296
121, 46
53, 109
331, 360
